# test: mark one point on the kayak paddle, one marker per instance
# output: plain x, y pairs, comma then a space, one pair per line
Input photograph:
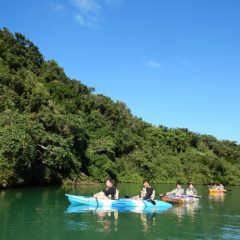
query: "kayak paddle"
151, 201
194, 196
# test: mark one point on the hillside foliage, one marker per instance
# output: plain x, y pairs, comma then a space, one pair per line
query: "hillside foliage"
55, 129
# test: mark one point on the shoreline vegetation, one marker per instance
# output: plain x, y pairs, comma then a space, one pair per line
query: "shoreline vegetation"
71, 183
56, 130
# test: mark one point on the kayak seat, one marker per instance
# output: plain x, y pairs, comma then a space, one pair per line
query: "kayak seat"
116, 194
153, 195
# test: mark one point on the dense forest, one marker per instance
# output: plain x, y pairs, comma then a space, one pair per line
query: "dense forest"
54, 129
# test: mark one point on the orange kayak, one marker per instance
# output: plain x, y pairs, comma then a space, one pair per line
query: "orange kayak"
179, 199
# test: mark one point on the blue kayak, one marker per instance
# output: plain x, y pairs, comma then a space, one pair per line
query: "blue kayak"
90, 201
122, 202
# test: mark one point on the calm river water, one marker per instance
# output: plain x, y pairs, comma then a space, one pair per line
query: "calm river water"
44, 213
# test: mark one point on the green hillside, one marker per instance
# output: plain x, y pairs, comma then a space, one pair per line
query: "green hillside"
55, 129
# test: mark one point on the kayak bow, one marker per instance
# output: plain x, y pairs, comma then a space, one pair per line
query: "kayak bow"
90, 201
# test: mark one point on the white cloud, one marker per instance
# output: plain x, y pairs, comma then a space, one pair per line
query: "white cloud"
88, 21
113, 2
154, 64
89, 13
80, 19
87, 5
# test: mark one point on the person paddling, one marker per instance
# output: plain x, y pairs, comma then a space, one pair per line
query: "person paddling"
178, 191
217, 186
109, 192
147, 192
191, 190
214, 186
220, 186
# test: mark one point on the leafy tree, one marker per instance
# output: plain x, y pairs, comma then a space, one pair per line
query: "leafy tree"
54, 129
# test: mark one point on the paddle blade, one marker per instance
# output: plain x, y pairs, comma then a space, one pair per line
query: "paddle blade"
153, 202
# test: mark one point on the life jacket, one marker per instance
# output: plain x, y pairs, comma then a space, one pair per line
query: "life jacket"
144, 193
116, 196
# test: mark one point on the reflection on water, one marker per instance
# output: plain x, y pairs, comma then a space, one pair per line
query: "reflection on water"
104, 209
148, 222
108, 221
107, 217
184, 209
218, 197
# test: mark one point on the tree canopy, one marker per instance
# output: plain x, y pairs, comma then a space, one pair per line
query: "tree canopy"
55, 129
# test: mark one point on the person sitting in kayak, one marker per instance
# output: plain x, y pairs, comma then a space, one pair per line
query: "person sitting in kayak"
214, 186
191, 191
147, 192
178, 191
220, 186
217, 186
109, 192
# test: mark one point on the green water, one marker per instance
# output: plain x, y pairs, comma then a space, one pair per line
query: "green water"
41, 213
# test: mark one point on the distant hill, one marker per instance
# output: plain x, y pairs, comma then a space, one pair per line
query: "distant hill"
54, 129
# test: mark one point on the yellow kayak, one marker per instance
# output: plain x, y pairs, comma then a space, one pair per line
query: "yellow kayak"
214, 190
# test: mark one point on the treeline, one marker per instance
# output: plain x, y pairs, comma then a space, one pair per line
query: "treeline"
54, 129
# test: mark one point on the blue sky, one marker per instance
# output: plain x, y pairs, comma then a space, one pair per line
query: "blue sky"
173, 62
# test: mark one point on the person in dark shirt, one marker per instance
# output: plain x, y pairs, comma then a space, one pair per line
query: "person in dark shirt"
147, 191
109, 192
